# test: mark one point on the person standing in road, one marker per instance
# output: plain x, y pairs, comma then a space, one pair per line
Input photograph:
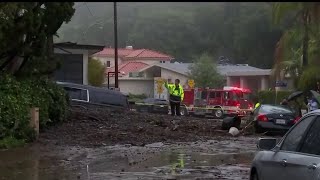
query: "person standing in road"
176, 96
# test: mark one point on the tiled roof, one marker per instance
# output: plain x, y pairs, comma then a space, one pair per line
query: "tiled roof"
135, 54
129, 67
146, 53
110, 52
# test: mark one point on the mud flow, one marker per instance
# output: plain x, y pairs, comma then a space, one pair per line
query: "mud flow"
107, 144
213, 159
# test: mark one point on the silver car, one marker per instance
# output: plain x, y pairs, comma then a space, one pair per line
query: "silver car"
296, 156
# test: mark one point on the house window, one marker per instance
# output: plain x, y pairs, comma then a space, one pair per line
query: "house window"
108, 64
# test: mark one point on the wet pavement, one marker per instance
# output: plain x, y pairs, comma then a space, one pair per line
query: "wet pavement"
227, 158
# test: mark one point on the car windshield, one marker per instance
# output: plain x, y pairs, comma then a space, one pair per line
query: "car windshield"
274, 109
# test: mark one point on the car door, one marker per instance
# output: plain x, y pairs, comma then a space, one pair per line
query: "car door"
278, 164
307, 161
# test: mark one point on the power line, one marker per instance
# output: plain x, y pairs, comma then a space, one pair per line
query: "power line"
88, 8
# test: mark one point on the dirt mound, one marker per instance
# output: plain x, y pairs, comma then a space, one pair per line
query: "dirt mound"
103, 126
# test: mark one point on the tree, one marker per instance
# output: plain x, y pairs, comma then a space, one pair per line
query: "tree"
96, 72
26, 34
306, 15
205, 74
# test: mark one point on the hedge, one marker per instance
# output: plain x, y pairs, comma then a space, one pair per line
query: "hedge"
18, 96
272, 97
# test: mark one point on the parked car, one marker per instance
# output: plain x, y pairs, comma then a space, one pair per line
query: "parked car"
154, 105
296, 156
86, 95
272, 118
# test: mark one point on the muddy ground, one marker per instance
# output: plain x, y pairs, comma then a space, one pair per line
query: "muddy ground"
100, 127
109, 144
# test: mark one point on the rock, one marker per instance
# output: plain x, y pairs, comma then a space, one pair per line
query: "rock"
234, 131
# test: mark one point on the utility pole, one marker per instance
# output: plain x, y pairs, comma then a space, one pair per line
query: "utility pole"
115, 44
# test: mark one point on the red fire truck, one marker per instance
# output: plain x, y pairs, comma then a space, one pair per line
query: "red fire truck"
226, 101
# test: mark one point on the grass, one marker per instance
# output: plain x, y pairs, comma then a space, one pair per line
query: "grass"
11, 142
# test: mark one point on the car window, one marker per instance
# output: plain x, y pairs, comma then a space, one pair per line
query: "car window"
212, 95
77, 94
292, 140
204, 95
274, 109
311, 143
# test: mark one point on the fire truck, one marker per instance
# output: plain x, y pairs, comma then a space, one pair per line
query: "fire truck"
218, 103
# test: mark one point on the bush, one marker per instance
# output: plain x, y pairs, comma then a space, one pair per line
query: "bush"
96, 72
18, 96
136, 97
309, 78
271, 97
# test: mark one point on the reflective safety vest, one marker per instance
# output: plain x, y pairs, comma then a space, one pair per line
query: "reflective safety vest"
175, 91
257, 105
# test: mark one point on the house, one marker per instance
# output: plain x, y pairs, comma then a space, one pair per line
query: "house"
144, 80
128, 54
74, 61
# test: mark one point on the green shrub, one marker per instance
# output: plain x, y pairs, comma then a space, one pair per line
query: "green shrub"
136, 97
18, 96
272, 97
11, 142
309, 78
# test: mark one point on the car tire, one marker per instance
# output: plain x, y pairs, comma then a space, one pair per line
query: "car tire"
218, 113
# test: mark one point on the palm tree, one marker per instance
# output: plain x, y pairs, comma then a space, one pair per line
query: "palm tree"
306, 15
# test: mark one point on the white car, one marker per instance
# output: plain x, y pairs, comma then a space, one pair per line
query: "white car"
296, 156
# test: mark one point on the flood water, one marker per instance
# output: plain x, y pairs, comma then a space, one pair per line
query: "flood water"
219, 160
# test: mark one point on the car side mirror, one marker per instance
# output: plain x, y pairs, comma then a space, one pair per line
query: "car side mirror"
266, 143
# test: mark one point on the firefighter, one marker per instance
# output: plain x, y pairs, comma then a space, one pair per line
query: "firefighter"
257, 105
176, 96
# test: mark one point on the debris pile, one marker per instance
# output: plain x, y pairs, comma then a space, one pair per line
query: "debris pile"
104, 126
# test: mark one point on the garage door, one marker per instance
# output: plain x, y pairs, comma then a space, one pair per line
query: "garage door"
71, 69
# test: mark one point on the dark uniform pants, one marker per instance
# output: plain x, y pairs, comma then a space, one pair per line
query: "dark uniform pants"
175, 102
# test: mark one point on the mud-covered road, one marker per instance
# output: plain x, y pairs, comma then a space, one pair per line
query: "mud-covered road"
109, 144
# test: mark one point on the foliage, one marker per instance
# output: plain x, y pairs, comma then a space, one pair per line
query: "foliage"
241, 31
96, 72
19, 95
31, 25
303, 27
272, 97
309, 78
11, 142
136, 97
205, 74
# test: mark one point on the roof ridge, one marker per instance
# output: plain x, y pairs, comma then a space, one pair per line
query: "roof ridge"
160, 53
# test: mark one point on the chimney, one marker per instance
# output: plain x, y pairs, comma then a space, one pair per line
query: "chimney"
129, 47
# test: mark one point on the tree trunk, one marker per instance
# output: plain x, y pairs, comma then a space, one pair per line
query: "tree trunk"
305, 45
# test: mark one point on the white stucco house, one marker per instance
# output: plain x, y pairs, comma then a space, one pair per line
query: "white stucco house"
140, 69
128, 54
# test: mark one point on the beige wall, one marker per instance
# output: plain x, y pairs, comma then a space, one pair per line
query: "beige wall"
137, 86
167, 74
255, 83
104, 60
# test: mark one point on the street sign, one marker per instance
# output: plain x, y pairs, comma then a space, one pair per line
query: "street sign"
281, 84
191, 83
160, 83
